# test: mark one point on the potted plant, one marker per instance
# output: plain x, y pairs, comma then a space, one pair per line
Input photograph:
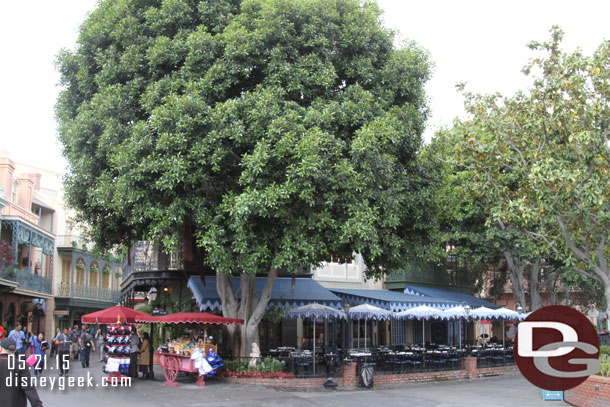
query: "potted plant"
94, 268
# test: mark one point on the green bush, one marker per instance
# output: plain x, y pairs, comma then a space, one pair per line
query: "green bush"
605, 369
267, 365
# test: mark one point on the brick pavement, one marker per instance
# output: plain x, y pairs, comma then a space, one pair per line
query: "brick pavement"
498, 391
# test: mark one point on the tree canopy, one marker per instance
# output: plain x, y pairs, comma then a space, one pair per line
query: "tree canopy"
262, 134
542, 156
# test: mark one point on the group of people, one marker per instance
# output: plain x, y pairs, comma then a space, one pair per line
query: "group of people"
77, 344
28, 343
139, 355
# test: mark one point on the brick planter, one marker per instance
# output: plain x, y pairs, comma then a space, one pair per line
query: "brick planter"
594, 392
348, 378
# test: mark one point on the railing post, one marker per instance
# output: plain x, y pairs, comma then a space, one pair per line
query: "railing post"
470, 365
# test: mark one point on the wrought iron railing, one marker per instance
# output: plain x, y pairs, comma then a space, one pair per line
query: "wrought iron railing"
494, 357
8, 273
429, 273
32, 282
410, 362
147, 256
92, 293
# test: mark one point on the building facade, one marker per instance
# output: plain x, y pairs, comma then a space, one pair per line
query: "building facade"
48, 277
28, 243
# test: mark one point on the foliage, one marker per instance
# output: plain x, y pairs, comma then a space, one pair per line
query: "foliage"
275, 131
543, 155
604, 359
463, 228
275, 313
6, 253
94, 268
266, 365
10, 273
144, 307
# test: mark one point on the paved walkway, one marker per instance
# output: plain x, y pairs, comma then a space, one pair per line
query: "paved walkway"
498, 391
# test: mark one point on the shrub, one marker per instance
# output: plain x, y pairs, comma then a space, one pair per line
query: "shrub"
605, 369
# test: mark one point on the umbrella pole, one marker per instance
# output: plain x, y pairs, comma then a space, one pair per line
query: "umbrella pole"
423, 333
460, 333
314, 346
358, 334
502, 335
152, 350
365, 333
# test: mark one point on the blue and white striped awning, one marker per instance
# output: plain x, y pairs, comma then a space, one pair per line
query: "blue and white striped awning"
449, 295
390, 300
284, 294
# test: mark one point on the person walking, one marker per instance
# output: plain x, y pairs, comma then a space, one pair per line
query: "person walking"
85, 343
38, 346
64, 344
74, 348
134, 351
18, 336
99, 342
18, 393
144, 359
53, 347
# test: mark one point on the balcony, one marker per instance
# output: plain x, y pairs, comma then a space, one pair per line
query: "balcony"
8, 278
88, 293
72, 241
428, 274
29, 281
148, 257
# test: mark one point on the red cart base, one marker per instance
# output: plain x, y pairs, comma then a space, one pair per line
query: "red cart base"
174, 363
200, 381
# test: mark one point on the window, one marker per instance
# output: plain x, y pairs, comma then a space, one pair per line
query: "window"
399, 332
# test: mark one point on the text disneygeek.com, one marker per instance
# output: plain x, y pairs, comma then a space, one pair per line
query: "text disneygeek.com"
64, 382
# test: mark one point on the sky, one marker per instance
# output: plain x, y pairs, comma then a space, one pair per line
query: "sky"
482, 43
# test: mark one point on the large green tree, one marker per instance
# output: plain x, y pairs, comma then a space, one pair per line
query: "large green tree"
464, 225
544, 155
261, 135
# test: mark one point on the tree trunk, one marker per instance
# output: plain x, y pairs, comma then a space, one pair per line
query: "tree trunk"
257, 307
516, 269
534, 272
607, 290
250, 308
551, 284
228, 299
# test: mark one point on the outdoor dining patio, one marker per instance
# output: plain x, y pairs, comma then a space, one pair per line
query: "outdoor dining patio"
325, 358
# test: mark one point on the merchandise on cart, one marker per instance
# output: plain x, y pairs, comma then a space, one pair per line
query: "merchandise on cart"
117, 347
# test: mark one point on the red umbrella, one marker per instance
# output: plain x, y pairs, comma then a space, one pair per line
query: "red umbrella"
189, 317
114, 315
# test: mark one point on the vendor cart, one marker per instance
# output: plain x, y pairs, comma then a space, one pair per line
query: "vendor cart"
173, 363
